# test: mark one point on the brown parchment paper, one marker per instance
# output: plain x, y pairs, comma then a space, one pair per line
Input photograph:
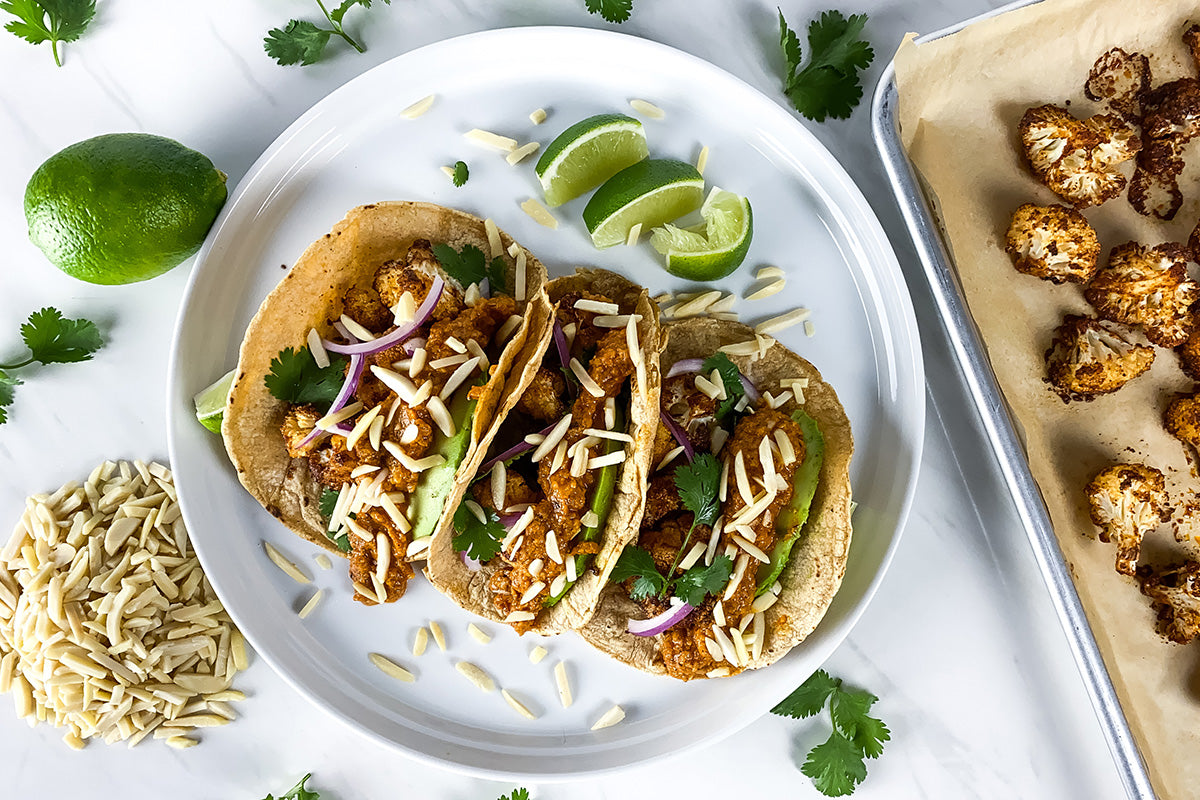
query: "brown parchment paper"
960, 99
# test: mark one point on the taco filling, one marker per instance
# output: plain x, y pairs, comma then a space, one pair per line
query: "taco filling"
733, 479
406, 355
537, 509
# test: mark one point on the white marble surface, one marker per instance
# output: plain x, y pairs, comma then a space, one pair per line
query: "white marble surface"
961, 644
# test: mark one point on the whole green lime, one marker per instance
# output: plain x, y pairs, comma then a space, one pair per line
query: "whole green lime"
122, 207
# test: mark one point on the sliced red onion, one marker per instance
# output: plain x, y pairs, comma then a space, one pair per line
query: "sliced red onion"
678, 432
414, 344
485, 288
341, 328
686, 365
472, 565
657, 624
560, 342
508, 520
515, 450
398, 334
353, 376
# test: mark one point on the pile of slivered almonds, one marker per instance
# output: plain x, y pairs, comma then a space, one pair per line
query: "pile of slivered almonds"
108, 626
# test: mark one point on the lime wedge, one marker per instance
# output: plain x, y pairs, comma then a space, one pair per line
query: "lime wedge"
650, 192
719, 250
210, 402
587, 154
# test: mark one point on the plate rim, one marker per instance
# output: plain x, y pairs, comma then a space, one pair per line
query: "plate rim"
886, 272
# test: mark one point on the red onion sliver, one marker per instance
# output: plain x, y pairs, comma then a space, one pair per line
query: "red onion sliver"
472, 565
398, 334
560, 342
678, 432
508, 520
485, 288
353, 376
341, 328
515, 450
657, 624
686, 365
414, 344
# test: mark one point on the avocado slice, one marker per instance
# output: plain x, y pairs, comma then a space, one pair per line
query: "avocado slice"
428, 500
602, 497
795, 514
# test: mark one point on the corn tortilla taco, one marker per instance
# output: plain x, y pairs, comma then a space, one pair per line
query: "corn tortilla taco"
746, 528
533, 537
369, 377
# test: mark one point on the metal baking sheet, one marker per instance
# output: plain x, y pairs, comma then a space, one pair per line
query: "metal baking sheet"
1001, 428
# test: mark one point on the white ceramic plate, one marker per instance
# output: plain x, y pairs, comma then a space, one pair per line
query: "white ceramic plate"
353, 148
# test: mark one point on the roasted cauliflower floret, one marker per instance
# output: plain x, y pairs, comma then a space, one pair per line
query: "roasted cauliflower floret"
1175, 595
1126, 501
364, 307
1090, 357
415, 275
1182, 419
1120, 79
546, 397
1146, 286
1077, 158
1170, 119
1189, 355
1053, 243
298, 423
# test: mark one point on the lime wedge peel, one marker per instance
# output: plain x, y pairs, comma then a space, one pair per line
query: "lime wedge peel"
650, 192
588, 153
210, 402
716, 251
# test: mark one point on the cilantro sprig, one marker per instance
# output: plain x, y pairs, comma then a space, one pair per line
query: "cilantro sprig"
836, 766
469, 265
828, 85
732, 381
297, 792
303, 42
50, 21
611, 10
479, 540
294, 377
520, 793
461, 173
51, 339
697, 484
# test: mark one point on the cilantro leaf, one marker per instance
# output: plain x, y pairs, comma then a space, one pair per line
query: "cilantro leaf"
730, 377
54, 21
470, 265
517, 794
828, 86
55, 340
810, 697
297, 792
849, 711
611, 10
700, 581
461, 173
7, 382
299, 42
479, 540
697, 486
327, 502
836, 766
637, 563
296, 378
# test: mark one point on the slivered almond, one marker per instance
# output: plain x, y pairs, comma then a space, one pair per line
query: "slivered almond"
693, 555
312, 604
711, 390
520, 616
457, 378
284, 564
362, 426
713, 540
532, 592
760, 634
495, 141
317, 349
537, 116
521, 153
517, 705
327, 422
609, 718
590, 519
669, 457
478, 633
449, 361
810, 330
770, 289
506, 330
499, 480
743, 480
420, 642
552, 439
438, 636
552, 548
418, 108
585, 379
697, 305
702, 160
764, 273
615, 320
539, 214
751, 549
477, 511
776, 324
493, 235
476, 676
647, 108
559, 583
597, 306
441, 417
521, 265
563, 683
537, 654
391, 668
635, 233
357, 329
749, 348
607, 459
764, 601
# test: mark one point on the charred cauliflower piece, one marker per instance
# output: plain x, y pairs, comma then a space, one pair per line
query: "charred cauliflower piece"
1189, 355
1182, 419
415, 276
1090, 357
1126, 501
1120, 79
1170, 119
1077, 158
1054, 243
1175, 595
1146, 286
298, 423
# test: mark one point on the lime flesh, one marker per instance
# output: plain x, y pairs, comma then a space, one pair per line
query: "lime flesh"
588, 153
728, 229
122, 207
650, 192
210, 402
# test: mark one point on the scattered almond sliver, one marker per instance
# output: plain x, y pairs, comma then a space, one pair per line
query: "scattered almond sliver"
391, 668
517, 705
635, 233
285, 565
312, 604
539, 213
478, 634
418, 108
775, 324
563, 683
702, 160
438, 636
521, 153
495, 141
476, 676
537, 116
610, 718
538, 653
763, 292
420, 642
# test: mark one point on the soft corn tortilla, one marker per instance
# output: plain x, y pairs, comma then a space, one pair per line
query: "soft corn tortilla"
446, 569
818, 558
309, 297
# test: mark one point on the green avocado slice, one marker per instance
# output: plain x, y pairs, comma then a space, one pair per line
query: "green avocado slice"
795, 514
427, 502
602, 497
